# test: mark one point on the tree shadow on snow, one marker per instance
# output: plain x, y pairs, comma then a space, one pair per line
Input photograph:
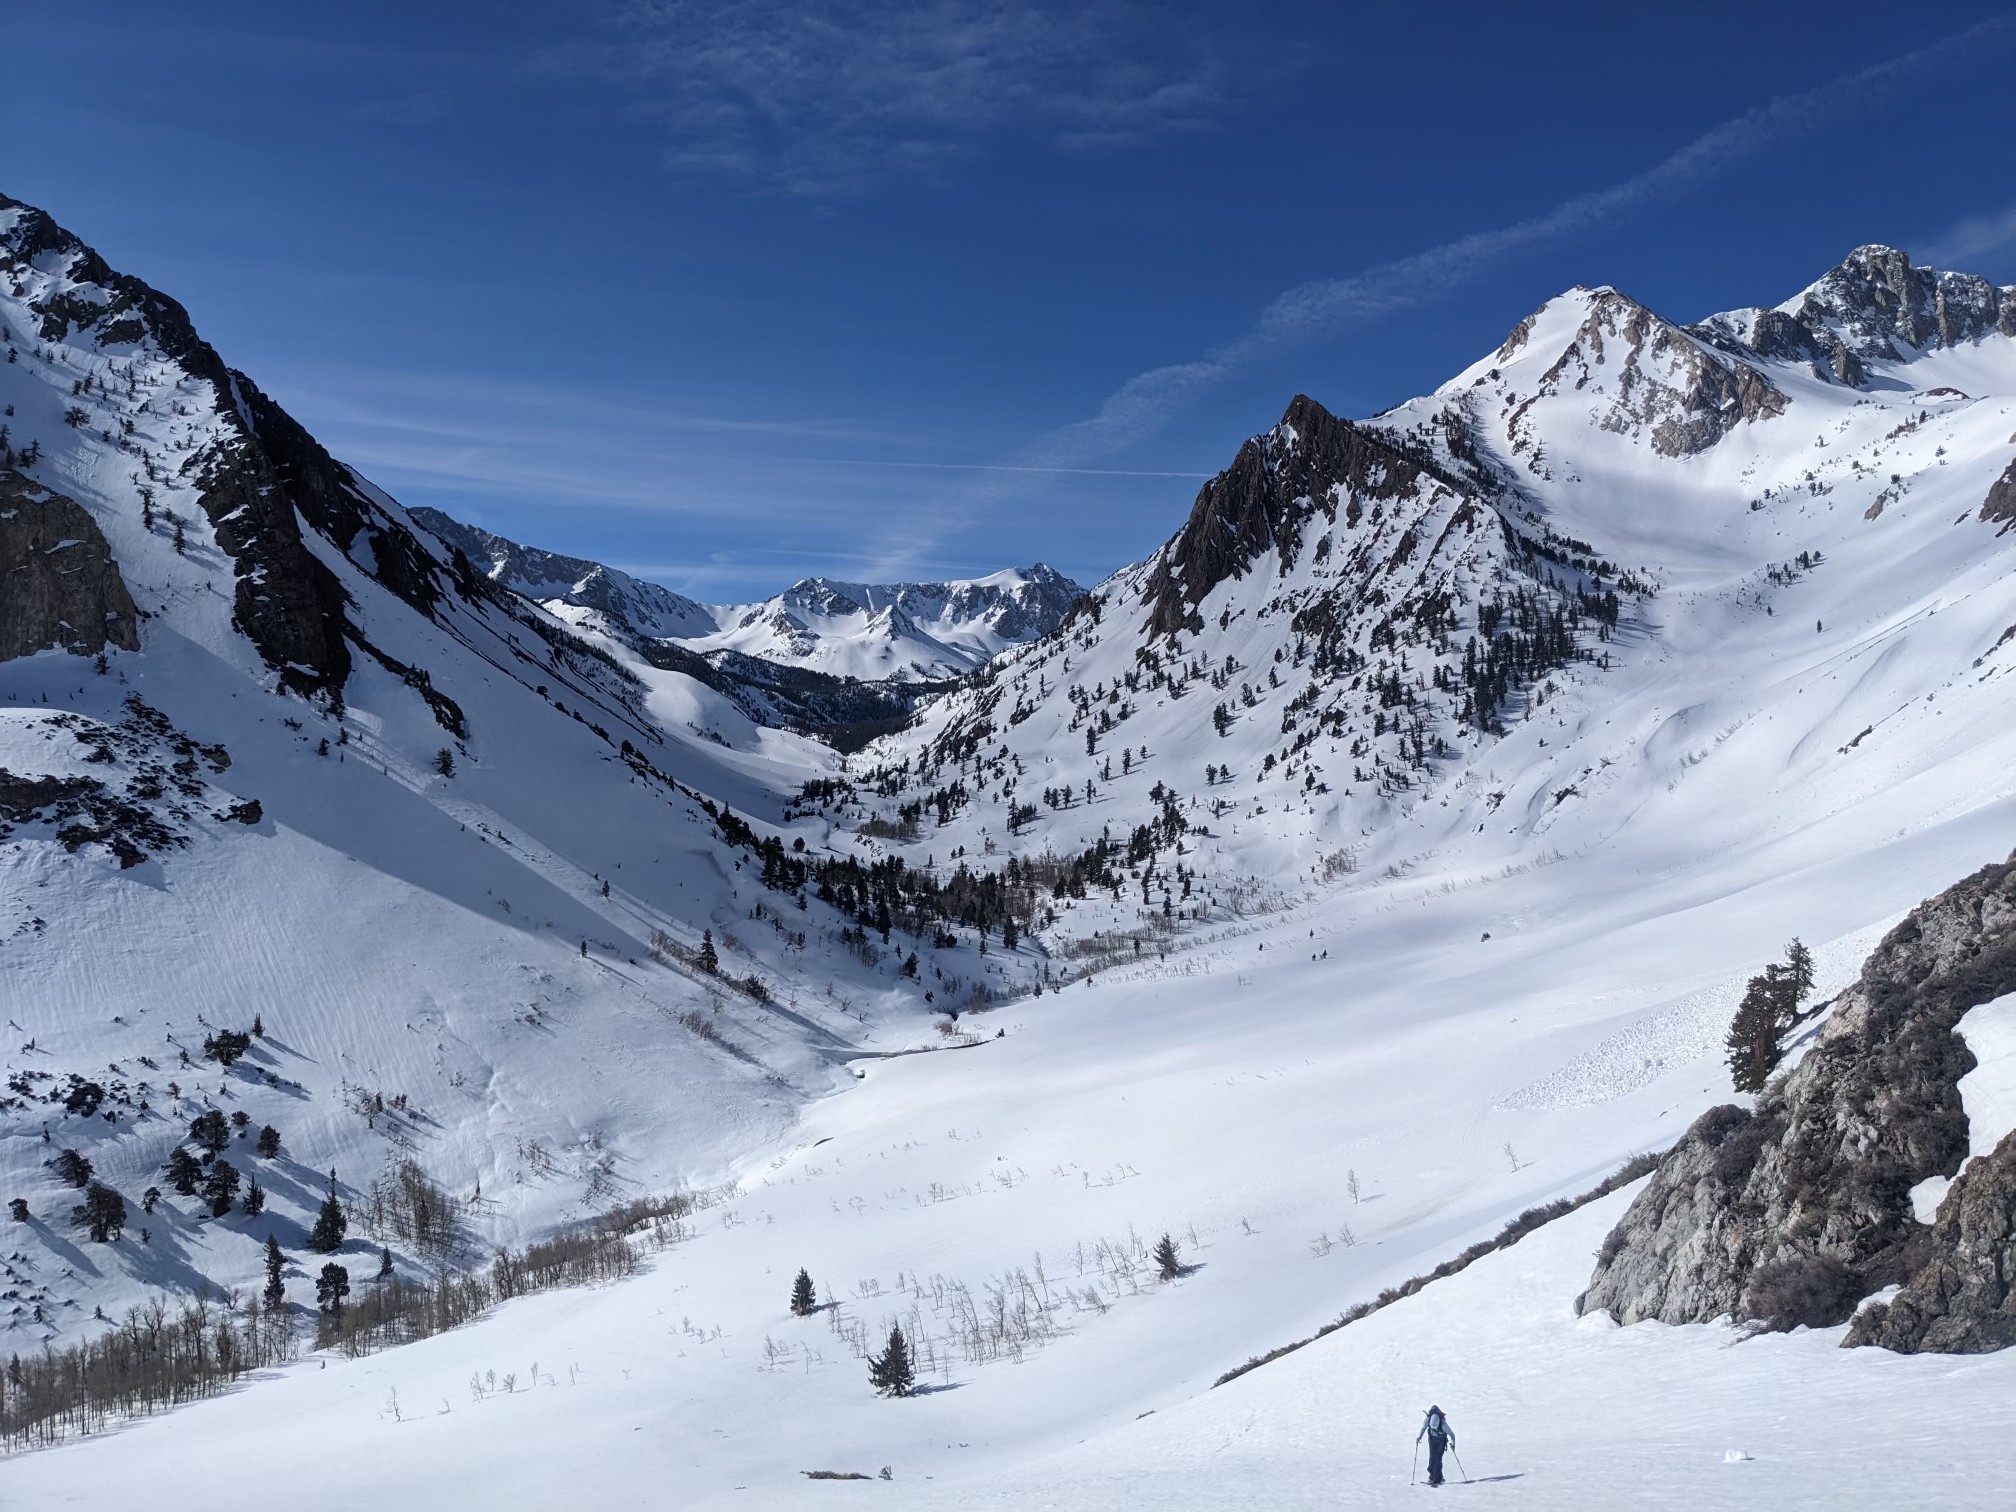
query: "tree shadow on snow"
937, 1388
1485, 1480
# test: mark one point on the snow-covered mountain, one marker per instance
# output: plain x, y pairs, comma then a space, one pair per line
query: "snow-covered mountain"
868, 632
645, 609
875, 631
1397, 839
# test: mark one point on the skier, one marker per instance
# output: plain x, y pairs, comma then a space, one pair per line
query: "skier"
1435, 1428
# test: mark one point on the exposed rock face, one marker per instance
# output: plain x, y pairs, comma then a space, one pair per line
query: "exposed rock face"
1262, 501
2000, 504
59, 586
260, 486
1876, 306
1663, 381
1964, 1300
1799, 1209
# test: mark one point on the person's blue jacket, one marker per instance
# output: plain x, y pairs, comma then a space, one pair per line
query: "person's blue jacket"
1436, 1426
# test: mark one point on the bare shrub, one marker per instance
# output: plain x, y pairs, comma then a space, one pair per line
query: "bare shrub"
1817, 1291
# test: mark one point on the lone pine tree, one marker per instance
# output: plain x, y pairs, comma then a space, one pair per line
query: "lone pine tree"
1770, 1005
220, 1188
276, 1264
103, 1212
330, 1226
709, 961
331, 1287
1168, 1265
890, 1372
803, 1300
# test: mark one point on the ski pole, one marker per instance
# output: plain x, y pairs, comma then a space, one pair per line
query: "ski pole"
1459, 1464
1417, 1462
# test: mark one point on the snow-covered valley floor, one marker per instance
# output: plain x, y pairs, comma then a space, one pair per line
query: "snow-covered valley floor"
1229, 1102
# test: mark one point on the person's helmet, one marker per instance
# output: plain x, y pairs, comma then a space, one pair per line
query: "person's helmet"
1434, 1409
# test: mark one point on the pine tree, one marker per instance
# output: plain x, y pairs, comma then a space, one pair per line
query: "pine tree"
444, 762
104, 1212
385, 1263
803, 1299
1755, 1031
220, 1187
1799, 967
255, 1198
331, 1287
330, 1226
74, 1169
1168, 1265
269, 1142
210, 1131
276, 1263
1769, 1009
709, 961
183, 1171
890, 1372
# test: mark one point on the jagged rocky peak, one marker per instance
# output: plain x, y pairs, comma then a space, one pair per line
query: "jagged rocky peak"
1796, 1211
1875, 306
1019, 603
1884, 306
63, 590
1261, 504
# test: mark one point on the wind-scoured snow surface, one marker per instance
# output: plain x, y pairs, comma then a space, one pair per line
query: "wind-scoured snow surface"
1386, 1016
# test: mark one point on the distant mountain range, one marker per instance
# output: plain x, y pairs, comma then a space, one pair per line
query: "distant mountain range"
873, 632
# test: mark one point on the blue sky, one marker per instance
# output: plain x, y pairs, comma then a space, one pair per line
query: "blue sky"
733, 293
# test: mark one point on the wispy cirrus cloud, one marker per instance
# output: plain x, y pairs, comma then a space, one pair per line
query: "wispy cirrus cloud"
1144, 402
1150, 401
1968, 240
831, 98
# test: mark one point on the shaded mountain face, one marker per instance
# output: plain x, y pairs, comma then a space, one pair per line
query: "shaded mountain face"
645, 609
261, 481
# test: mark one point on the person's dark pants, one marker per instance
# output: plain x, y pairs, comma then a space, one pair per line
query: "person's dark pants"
1436, 1444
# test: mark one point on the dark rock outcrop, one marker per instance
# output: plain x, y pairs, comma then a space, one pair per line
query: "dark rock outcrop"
1795, 1211
1264, 499
2000, 505
1876, 306
1963, 1301
1666, 382
264, 486
59, 587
